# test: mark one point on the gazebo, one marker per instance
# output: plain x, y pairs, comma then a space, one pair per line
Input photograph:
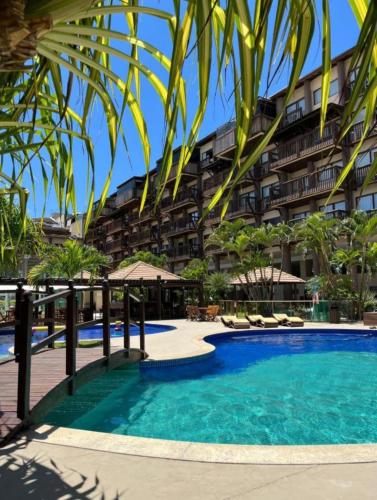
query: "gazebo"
265, 274
165, 291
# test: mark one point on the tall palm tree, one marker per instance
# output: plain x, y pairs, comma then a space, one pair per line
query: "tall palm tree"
50, 48
68, 261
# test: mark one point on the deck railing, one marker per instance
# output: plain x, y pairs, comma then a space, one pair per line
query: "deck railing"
26, 313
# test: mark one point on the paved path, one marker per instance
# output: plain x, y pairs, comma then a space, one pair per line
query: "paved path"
36, 470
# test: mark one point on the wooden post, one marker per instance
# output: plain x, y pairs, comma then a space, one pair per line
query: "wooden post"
106, 318
126, 318
142, 321
91, 304
71, 335
18, 316
24, 366
159, 298
201, 295
50, 310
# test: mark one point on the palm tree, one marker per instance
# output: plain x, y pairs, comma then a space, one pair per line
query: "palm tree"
318, 236
67, 262
49, 49
145, 256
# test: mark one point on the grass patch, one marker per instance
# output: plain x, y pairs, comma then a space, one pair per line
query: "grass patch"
82, 343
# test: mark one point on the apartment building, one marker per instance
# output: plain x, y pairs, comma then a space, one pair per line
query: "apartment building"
292, 179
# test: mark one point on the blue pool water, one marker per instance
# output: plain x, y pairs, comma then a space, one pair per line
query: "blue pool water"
94, 332
289, 387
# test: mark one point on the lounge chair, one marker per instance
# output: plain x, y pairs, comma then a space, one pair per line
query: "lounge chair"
211, 313
234, 322
286, 320
262, 321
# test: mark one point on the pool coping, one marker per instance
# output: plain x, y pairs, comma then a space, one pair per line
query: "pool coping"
208, 452
205, 452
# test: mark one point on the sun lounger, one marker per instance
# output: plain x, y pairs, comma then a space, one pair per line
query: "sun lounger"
234, 322
286, 320
262, 321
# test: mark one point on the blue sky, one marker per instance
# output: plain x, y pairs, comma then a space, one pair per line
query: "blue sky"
128, 163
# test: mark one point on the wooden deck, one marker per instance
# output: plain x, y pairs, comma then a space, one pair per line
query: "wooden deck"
47, 371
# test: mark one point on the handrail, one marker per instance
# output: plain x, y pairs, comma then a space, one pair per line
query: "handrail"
48, 340
51, 298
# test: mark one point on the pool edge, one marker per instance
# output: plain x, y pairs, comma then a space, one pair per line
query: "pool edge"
205, 452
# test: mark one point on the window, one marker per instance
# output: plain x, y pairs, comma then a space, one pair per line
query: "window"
360, 117
334, 89
296, 106
332, 207
365, 158
207, 155
264, 158
247, 200
367, 202
301, 215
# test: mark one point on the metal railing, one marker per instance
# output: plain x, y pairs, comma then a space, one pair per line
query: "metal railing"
320, 181
306, 144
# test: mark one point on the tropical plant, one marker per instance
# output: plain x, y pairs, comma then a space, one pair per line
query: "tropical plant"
67, 262
145, 256
217, 286
16, 242
51, 49
250, 252
196, 269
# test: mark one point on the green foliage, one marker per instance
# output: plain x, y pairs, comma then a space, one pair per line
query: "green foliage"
196, 269
67, 262
17, 238
250, 250
145, 256
217, 286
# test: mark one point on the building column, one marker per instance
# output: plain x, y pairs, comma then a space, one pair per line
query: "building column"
308, 96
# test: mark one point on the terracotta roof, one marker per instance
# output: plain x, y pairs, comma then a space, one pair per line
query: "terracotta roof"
266, 275
142, 270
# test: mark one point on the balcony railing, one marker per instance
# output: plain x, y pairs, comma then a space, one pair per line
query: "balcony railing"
214, 182
291, 117
178, 227
306, 145
186, 196
336, 214
184, 251
115, 245
242, 207
361, 173
308, 185
191, 170
128, 196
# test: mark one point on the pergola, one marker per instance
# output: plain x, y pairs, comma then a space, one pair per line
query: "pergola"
163, 287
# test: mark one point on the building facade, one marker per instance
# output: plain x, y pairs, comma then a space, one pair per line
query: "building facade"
292, 179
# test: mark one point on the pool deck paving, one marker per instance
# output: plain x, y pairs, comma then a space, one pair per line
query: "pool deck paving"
49, 462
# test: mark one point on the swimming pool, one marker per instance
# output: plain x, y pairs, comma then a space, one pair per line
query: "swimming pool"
94, 332
291, 387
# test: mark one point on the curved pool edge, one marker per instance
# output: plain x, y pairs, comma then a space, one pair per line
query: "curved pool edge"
204, 452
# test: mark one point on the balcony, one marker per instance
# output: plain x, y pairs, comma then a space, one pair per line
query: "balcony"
190, 171
242, 208
117, 225
308, 146
183, 252
145, 236
360, 175
178, 227
356, 132
185, 197
116, 245
128, 197
211, 184
313, 185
